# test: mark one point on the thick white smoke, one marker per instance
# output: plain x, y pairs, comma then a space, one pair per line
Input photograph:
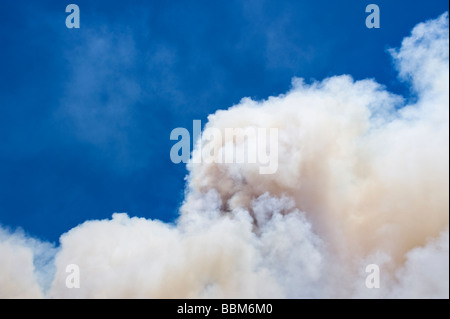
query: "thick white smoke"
362, 178
19, 258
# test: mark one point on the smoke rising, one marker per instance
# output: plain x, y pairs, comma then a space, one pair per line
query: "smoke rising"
363, 178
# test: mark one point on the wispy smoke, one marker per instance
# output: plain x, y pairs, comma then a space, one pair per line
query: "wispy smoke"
363, 178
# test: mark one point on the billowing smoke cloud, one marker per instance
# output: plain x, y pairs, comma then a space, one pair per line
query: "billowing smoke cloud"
363, 178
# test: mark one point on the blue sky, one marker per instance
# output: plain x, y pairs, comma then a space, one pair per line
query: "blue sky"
86, 114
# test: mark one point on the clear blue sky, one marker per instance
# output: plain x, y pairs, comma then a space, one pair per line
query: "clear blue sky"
86, 114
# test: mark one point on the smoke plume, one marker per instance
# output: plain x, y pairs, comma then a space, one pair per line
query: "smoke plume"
363, 178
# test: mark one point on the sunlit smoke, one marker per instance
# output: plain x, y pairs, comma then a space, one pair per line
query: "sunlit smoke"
362, 178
